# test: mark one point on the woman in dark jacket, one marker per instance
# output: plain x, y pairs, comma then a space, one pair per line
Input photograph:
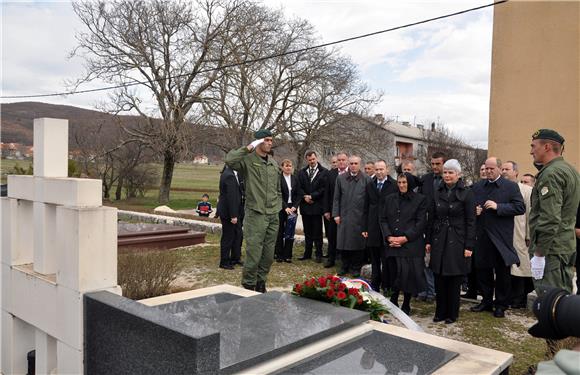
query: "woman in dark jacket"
291, 194
451, 237
403, 224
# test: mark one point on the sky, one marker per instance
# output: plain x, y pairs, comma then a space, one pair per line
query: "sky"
436, 72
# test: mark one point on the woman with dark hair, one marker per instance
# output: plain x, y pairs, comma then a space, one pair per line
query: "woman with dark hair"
450, 239
291, 196
403, 223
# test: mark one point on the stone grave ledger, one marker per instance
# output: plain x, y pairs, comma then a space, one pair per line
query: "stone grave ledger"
220, 333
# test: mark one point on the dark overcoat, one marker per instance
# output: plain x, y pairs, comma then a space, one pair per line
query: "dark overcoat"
375, 200
331, 176
349, 202
314, 188
428, 183
230, 201
451, 230
405, 216
296, 191
497, 225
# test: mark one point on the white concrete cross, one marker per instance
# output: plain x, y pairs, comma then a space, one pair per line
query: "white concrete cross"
58, 242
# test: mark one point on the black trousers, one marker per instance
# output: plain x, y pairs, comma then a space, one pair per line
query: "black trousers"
472, 281
501, 285
351, 261
230, 242
283, 249
447, 290
520, 287
331, 236
312, 234
383, 269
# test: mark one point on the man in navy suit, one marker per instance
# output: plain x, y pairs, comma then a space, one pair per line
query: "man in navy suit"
497, 201
312, 181
377, 189
230, 209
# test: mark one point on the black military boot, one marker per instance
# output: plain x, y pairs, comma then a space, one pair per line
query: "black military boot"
261, 286
249, 287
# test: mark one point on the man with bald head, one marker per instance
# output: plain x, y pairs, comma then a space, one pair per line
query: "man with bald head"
498, 200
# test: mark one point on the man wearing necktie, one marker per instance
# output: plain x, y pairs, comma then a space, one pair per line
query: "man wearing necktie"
312, 181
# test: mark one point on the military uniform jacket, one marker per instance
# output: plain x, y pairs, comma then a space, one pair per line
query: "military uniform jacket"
375, 200
262, 180
498, 224
314, 188
349, 202
451, 230
405, 216
555, 200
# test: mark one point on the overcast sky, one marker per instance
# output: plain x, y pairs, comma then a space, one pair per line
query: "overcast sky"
439, 71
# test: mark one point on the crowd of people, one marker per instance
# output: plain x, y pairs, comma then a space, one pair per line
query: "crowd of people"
429, 236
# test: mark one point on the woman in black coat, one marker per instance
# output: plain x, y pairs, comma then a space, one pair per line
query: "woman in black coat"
403, 223
451, 237
291, 196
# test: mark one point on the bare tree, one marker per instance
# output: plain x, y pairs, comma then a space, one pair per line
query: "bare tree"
172, 49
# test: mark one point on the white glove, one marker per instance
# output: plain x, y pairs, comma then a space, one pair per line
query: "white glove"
255, 143
538, 264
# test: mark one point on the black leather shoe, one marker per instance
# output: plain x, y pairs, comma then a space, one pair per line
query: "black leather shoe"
304, 258
318, 260
481, 307
237, 263
261, 286
279, 260
450, 321
469, 295
499, 312
438, 319
227, 266
289, 260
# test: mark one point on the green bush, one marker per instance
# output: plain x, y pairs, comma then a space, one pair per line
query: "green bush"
146, 274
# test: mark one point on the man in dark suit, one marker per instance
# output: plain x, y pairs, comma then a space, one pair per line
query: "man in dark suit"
341, 168
312, 180
231, 212
497, 201
291, 196
376, 190
429, 184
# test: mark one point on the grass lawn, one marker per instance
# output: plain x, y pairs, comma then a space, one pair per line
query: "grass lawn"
7, 165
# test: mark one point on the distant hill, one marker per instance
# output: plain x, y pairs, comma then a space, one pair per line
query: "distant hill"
17, 119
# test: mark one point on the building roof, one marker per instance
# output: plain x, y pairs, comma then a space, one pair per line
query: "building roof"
407, 131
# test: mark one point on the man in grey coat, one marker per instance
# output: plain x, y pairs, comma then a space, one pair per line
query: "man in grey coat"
348, 212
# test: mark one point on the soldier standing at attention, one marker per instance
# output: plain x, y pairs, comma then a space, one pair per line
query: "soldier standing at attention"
263, 202
555, 200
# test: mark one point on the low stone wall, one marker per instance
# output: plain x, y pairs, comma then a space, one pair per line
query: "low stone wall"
197, 225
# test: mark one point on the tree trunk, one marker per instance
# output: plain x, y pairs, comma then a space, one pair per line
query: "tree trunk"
119, 189
166, 176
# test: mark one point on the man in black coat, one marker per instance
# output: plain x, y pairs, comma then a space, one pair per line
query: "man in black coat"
231, 213
331, 176
430, 182
497, 201
376, 190
312, 181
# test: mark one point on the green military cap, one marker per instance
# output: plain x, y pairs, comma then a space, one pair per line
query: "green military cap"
548, 134
262, 133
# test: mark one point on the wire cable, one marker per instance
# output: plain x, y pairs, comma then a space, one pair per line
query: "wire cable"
251, 61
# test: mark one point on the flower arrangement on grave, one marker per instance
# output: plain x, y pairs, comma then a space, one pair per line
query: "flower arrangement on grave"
353, 294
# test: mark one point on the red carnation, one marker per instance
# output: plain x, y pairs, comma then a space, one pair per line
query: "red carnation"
298, 288
330, 293
341, 295
353, 291
322, 281
359, 300
341, 286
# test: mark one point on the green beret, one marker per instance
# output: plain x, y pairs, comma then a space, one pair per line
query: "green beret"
262, 133
549, 134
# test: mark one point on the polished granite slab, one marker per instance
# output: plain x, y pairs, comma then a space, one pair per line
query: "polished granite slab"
258, 328
376, 353
198, 303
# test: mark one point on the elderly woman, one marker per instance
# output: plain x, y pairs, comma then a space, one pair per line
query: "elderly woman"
403, 222
450, 239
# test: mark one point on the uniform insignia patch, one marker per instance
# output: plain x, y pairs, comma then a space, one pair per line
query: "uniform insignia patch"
544, 190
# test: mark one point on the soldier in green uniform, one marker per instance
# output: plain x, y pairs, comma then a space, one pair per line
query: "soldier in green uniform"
263, 202
554, 202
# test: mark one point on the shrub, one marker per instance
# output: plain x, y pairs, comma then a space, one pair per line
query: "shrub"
146, 274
